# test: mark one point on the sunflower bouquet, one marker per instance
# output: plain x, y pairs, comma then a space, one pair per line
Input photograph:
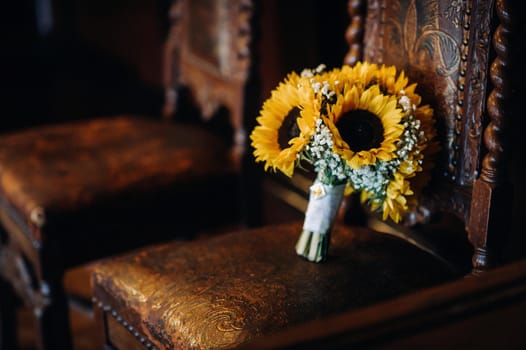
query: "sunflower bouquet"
362, 129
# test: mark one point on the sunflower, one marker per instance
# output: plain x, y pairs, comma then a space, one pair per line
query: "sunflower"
286, 123
390, 83
363, 74
395, 202
365, 124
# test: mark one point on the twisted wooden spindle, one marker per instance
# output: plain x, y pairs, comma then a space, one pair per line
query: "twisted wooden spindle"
354, 33
488, 199
498, 98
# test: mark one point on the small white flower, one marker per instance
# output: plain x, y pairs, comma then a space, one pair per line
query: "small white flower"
405, 102
320, 68
317, 190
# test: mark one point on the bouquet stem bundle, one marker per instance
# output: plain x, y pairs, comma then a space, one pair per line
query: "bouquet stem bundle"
324, 202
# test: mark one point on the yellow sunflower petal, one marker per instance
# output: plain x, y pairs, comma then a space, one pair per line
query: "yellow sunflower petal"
292, 93
373, 101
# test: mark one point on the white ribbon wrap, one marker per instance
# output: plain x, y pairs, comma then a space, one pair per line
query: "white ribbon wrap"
324, 202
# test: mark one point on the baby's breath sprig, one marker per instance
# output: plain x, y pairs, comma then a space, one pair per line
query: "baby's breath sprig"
329, 166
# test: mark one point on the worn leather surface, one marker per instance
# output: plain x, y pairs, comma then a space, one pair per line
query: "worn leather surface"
63, 168
222, 291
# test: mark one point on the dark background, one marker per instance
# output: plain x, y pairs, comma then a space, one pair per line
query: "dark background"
103, 57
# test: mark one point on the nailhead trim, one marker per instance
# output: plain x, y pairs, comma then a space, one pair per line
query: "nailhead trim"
108, 309
460, 111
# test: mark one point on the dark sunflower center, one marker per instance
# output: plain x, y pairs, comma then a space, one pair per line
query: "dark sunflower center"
361, 130
289, 128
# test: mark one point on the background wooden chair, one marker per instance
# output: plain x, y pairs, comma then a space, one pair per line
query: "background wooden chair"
81, 190
227, 290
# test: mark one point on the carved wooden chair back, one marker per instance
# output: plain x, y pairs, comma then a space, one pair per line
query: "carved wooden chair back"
458, 54
208, 51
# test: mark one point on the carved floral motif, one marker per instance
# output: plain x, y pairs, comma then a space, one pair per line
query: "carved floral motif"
455, 12
437, 44
476, 94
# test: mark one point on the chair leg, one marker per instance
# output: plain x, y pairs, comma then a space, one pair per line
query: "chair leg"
8, 302
482, 260
99, 317
52, 319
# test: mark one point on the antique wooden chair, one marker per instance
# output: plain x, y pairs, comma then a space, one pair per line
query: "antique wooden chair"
223, 291
78, 191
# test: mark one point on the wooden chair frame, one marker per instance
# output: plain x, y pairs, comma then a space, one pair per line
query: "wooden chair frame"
473, 75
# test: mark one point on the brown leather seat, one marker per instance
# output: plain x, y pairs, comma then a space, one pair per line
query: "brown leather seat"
223, 291
107, 174
66, 167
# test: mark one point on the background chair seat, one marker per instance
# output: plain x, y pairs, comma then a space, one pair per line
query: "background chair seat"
225, 290
101, 167
68, 166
